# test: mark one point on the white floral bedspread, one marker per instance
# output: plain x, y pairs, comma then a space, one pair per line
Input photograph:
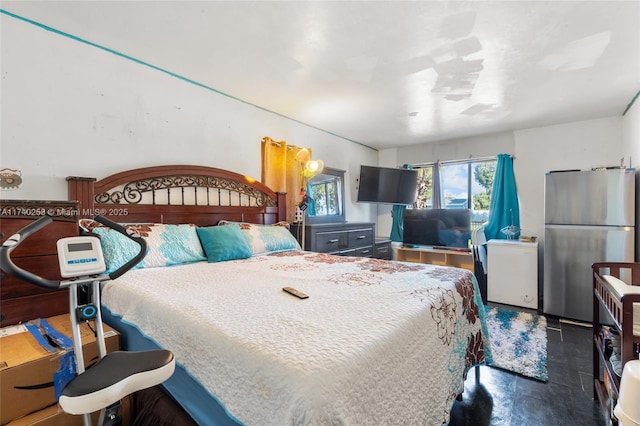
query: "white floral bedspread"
376, 342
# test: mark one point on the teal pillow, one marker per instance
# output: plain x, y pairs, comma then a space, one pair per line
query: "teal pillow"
222, 243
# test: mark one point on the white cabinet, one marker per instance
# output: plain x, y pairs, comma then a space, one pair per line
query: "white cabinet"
512, 273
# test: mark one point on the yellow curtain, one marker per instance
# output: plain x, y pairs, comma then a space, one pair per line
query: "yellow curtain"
282, 170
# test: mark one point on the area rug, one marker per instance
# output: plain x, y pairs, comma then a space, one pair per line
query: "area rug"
518, 342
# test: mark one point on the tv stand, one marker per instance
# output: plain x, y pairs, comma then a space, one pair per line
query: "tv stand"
437, 256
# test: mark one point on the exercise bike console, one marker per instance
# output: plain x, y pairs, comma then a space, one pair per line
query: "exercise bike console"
117, 374
80, 256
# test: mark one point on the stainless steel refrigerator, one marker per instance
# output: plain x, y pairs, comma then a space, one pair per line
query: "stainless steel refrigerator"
589, 217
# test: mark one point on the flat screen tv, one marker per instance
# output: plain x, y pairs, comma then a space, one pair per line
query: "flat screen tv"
439, 228
387, 185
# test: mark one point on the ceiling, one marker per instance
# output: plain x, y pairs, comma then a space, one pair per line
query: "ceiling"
386, 73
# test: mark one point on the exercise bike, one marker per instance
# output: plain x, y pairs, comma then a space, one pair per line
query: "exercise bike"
117, 374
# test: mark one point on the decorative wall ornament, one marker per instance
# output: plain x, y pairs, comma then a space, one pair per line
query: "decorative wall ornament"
10, 179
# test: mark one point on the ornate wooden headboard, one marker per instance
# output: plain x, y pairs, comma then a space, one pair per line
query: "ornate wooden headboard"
177, 194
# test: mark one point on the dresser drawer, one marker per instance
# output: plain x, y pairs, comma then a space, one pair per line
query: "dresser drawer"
383, 250
361, 237
364, 251
331, 241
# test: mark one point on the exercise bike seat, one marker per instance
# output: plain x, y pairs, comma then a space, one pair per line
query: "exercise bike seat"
115, 376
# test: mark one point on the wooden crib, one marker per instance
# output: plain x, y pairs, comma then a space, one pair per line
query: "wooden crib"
617, 300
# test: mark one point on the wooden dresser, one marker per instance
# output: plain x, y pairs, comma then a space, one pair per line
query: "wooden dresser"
20, 301
343, 238
382, 248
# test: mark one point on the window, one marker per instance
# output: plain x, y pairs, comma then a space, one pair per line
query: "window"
454, 181
463, 184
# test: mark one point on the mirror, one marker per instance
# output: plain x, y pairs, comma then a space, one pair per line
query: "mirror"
327, 197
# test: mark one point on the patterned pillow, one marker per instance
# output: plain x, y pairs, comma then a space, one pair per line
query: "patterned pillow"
166, 245
224, 243
264, 239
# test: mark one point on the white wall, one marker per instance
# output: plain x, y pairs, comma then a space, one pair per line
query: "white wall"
579, 145
70, 109
631, 149
631, 134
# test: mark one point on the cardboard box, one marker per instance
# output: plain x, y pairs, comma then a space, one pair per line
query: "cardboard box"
51, 416
54, 416
28, 370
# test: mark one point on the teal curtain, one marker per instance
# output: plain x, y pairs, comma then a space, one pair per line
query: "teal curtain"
397, 227
504, 209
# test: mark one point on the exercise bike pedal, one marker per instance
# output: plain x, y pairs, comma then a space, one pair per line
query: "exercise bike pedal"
115, 376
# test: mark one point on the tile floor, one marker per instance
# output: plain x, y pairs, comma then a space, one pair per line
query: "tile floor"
503, 398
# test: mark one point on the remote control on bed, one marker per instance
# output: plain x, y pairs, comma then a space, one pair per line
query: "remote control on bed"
296, 293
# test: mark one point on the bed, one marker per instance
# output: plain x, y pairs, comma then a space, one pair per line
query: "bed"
376, 342
616, 306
